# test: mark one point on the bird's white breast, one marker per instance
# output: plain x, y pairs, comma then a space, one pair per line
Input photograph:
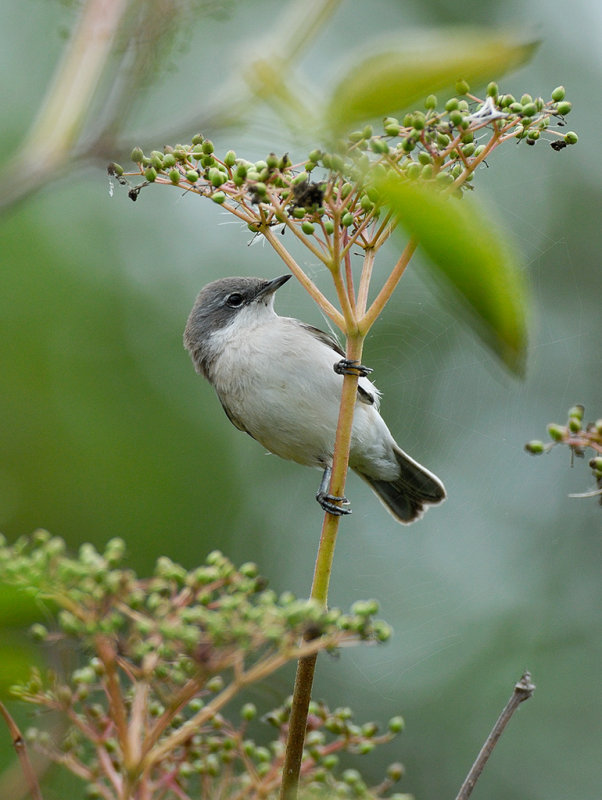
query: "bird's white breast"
277, 381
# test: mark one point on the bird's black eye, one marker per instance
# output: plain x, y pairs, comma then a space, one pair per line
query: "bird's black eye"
235, 300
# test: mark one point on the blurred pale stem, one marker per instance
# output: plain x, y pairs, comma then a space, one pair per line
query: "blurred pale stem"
67, 101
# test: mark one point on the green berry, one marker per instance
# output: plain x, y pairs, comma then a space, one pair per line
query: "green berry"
419, 121
571, 137
558, 94
174, 176
516, 108
526, 99
431, 101
347, 219
395, 771
574, 425
396, 724
451, 104
219, 198
329, 226
208, 147
150, 174
529, 109
535, 447
492, 89
38, 632
456, 118
248, 711
192, 176
556, 432
137, 155
230, 158
169, 160
308, 227
462, 87
564, 107
577, 411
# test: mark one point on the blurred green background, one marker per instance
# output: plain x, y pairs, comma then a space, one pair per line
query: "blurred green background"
105, 430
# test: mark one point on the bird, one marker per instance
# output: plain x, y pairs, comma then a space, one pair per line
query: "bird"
280, 380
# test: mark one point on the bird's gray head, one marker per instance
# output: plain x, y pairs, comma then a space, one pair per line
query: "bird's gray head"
219, 305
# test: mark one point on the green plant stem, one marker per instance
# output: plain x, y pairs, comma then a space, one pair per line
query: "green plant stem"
321, 580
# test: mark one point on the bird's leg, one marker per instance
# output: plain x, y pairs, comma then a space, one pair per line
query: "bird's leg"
348, 367
329, 501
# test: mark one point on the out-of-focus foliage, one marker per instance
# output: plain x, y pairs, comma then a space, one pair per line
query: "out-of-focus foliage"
474, 256
107, 431
400, 72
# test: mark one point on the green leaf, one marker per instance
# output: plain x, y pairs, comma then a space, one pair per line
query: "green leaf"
401, 72
473, 256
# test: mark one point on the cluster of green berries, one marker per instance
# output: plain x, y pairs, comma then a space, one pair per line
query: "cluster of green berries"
579, 437
221, 759
338, 187
179, 638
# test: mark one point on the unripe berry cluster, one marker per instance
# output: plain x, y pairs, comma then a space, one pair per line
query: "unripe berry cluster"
159, 659
579, 439
337, 187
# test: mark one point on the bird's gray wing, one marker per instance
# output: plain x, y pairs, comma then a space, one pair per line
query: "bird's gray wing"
363, 395
326, 338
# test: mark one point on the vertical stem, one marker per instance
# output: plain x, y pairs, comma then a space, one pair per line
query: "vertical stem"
321, 581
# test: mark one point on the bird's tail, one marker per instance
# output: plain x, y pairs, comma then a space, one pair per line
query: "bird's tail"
407, 496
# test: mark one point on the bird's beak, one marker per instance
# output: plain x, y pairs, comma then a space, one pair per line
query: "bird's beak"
271, 286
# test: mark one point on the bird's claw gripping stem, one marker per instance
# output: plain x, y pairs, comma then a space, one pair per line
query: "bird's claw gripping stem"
329, 502
348, 366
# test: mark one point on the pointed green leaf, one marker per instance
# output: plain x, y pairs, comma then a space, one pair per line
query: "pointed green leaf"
401, 72
473, 256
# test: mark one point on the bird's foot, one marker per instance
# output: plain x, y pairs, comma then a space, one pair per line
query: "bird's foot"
328, 502
348, 366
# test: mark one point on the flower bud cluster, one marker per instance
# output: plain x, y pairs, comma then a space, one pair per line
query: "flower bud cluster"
579, 438
336, 188
168, 651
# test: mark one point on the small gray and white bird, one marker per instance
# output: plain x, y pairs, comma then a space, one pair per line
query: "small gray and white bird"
280, 380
